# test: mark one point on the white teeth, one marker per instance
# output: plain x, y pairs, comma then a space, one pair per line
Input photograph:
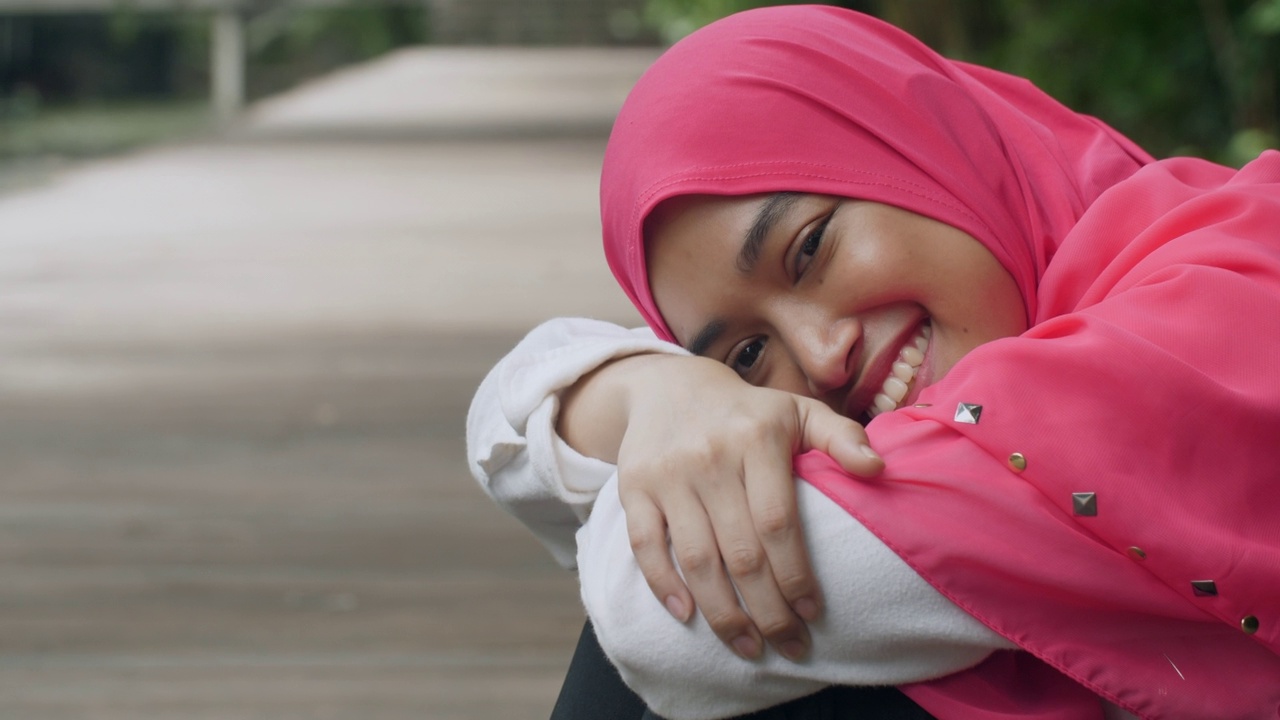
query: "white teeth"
912, 355
894, 388
882, 403
903, 372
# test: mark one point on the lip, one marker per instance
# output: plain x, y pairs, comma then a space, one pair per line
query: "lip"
878, 369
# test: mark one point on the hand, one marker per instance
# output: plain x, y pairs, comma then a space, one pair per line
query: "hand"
705, 463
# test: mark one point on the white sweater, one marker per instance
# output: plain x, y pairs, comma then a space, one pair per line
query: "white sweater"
883, 625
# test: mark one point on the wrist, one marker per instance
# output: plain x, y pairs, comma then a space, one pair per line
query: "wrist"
594, 410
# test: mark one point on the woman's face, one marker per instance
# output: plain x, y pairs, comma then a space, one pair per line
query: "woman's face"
855, 303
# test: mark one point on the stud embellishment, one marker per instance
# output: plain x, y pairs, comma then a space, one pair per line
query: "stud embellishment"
922, 405
968, 413
1137, 553
1084, 504
1204, 588
1018, 462
1249, 624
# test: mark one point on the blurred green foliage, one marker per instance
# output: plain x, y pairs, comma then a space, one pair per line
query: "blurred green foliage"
128, 55
1198, 77
1179, 76
91, 84
290, 44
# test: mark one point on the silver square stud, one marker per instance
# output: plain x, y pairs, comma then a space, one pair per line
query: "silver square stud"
1084, 504
1204, 588
968, 413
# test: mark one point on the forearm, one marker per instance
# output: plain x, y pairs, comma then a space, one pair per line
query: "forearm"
512, 447
883, 626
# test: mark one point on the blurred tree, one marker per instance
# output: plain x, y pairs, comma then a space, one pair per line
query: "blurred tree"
88, 84
88, 57
287, 45
1179, 76
128, 55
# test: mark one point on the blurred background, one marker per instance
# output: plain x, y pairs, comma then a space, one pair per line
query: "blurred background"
257, 254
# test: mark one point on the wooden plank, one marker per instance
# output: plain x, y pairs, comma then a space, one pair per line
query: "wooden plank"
233, 395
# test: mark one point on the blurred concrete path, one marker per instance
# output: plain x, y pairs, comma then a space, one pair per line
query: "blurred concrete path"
461, 92
232, 393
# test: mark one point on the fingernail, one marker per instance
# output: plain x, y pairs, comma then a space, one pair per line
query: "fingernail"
675, 607
866, 450
807, 609
746, 646
792, 649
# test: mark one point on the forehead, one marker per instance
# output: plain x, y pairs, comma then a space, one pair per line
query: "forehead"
692, 245
698, 214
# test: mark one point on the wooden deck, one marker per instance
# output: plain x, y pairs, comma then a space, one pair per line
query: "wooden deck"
235, 544
231, 419
233, 383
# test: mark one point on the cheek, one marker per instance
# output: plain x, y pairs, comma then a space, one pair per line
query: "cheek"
782, 372
999, 310
987, 308
785, 376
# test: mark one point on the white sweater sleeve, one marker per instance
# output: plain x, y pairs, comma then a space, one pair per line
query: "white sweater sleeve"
512, 448
883, 624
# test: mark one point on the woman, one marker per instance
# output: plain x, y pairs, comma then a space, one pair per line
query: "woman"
1079, 459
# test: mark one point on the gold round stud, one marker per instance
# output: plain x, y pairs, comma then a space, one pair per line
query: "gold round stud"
1137, 553
1249, 624
1018, 462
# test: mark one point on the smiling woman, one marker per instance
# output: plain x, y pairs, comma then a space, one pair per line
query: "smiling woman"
1014, 299
857, 304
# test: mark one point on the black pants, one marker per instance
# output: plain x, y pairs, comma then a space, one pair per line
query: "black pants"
594, 691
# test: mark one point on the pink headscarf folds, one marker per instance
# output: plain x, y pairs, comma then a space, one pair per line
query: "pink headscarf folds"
1133, 545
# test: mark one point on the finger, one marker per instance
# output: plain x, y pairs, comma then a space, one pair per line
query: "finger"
748, 566
646, 528
771, 496
840, 437
693, 542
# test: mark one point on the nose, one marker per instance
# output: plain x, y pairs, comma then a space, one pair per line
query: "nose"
824, 349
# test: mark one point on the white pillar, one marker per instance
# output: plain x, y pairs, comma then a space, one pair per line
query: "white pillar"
227, 63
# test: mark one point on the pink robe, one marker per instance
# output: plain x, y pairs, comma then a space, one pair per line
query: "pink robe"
1151, 378
1147, 389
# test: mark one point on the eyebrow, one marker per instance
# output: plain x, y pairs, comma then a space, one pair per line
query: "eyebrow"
771, 212
706, 337
767, 217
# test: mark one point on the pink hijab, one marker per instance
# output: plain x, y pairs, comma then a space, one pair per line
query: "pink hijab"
1143, 383
824, 100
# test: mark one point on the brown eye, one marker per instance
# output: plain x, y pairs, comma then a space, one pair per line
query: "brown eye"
747, 357
810, 247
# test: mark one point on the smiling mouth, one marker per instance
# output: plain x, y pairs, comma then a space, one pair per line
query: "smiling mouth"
902, 373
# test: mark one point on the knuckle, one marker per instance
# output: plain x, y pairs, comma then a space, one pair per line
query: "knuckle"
744, 561
756, 431
695, 457
778, 626
695, 560
727, 623
645, 539
793, 585
709, 452
746, 428
774, 521
666, 465
632, 478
